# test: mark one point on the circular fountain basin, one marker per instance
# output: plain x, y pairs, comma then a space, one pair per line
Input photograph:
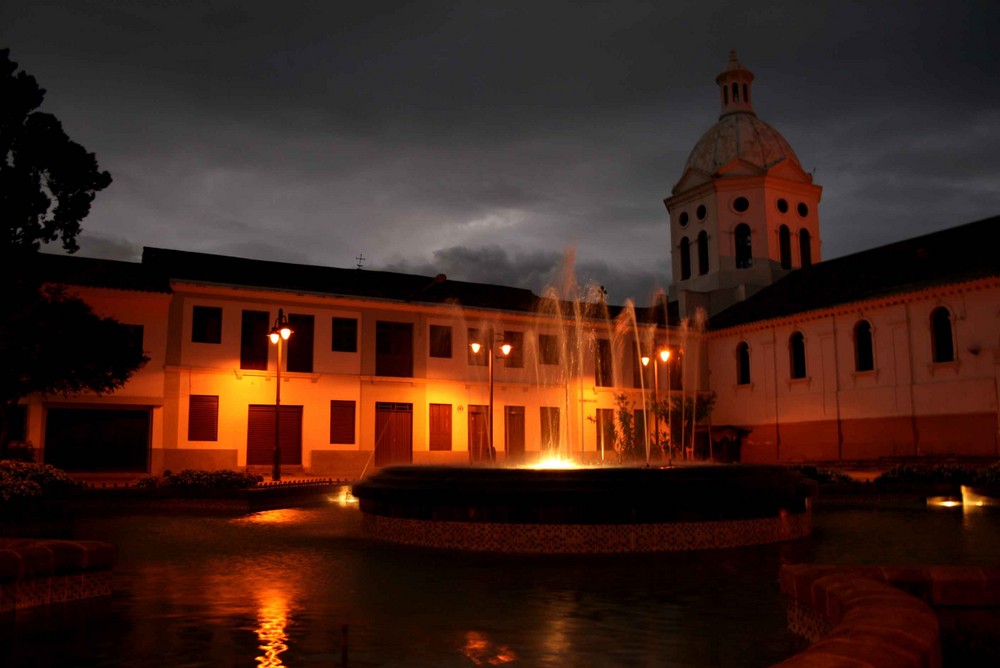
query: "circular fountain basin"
586, 510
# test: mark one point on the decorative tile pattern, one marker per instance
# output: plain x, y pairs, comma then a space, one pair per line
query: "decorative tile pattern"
587, 538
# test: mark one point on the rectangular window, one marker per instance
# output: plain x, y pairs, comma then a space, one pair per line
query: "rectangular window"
253, 340
206, 324
548, 349
440, 427
603, 375
341, 421
345, 335
394, 349
300, 343
515, 360
440, 343
203, 417
480, 358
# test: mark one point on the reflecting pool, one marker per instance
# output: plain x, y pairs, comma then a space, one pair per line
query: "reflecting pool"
289, 587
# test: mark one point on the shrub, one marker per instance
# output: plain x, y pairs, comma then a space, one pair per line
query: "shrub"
25, 480
927, 474
823, 475
196, 479
988, 475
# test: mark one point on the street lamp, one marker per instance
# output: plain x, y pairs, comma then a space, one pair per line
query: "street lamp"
664, 356
278, 335
505, 349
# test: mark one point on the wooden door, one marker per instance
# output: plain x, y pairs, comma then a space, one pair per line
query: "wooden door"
440, 427
514, 433
260, 435
479, 429
393, 433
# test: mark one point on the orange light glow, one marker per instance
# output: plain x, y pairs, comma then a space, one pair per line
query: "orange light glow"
506, 348
285, 332
475, 347
481, 651
554, 462
280, 516
645, 360
272, 618
273, 336
345, 498
664, 355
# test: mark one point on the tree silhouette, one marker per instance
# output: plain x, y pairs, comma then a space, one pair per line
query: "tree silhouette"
47, 181
50, 341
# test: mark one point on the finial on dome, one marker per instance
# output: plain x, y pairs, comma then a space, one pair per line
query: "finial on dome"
734, 87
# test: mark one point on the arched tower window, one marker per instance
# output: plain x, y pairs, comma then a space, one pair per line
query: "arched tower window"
742, 363
736, 92
797, 355
942, 340
685, 259
702, 253
864, 352
805, 248
744, 252
785, 246
746, 95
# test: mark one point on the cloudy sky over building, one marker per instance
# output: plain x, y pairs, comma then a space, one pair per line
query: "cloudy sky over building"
482, 139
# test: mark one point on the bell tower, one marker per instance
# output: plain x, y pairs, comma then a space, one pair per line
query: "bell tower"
744, 212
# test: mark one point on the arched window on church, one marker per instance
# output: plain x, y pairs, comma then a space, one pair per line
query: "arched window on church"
702, 253
797, 355
785, 247
743, 363
746, 95
942, 339
805, 248
736, 92
744, 252
725, 95
864, 350
685, 259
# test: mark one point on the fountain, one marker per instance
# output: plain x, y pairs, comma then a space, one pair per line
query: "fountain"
571, 508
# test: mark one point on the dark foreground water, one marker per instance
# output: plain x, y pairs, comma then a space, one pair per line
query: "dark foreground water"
279, 587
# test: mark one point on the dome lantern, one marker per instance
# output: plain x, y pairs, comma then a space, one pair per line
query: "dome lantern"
734, 87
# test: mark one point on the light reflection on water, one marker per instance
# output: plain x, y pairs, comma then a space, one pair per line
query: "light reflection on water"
276, 588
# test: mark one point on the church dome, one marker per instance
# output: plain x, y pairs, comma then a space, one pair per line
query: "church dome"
739, 133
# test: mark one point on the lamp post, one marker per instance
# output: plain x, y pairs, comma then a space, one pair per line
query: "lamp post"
278, 335
664, 356
505, 348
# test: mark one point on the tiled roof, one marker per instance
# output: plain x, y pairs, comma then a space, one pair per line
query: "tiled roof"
91, 272
955, 255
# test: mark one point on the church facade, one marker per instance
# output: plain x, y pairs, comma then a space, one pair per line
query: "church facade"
891, 352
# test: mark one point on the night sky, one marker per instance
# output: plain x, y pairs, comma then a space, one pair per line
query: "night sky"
482, 139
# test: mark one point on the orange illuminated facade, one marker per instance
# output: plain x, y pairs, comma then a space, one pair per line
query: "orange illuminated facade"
891, 352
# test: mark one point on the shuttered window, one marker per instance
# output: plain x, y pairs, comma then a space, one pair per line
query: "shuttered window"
300, 343
394, 349
203, 417
345, 335
440, 341
341, 421
253, 340
206, 324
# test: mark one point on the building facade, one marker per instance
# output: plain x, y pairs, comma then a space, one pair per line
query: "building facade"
891, 352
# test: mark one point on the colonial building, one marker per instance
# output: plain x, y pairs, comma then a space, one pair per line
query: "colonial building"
891, 352
378, 369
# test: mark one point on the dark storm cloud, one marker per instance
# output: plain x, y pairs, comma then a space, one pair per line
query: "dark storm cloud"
490, 136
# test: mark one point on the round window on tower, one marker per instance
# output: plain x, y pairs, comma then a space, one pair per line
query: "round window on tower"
741, 204
683, 218
701, 211
802, 209
783, 205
